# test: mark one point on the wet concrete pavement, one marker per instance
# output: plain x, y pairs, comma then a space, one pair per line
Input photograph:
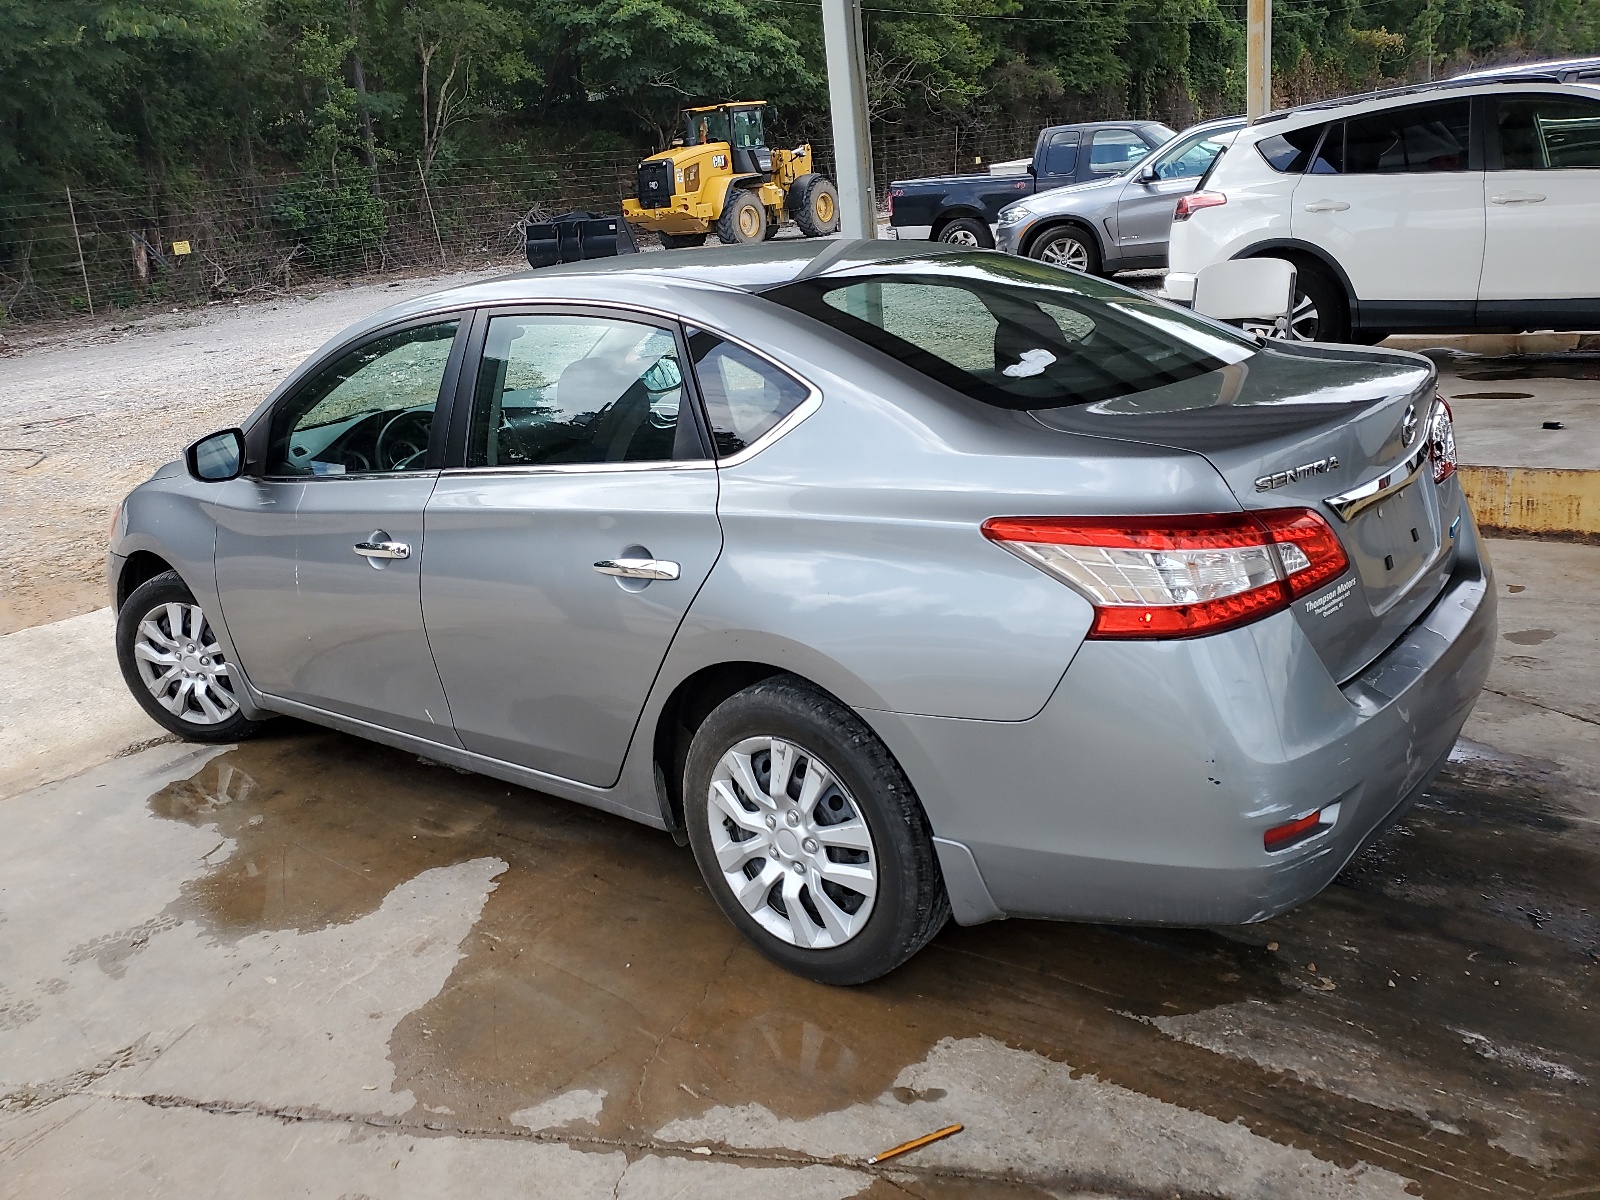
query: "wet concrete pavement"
310, 965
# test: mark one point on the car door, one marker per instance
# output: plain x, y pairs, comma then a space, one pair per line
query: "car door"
319, 551
1542, 222
1144, 209
1396, 199
566, 546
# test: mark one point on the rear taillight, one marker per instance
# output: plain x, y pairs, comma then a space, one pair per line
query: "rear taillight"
1173, 577
1442, 440
1194, 202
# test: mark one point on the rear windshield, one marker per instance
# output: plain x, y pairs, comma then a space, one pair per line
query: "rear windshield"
1016, 333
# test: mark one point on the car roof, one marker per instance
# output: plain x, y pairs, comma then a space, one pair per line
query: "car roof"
1535, 73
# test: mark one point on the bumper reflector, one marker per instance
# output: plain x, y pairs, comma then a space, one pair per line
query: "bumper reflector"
1281, 837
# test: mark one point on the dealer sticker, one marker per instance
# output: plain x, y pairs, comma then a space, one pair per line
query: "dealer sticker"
1331, 601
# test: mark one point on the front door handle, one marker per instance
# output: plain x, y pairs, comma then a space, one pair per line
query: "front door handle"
1517, 198
1327, 206
383, 549
638, 568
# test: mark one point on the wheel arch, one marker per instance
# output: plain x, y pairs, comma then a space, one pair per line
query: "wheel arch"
1292, 249
139, 569
1065, 222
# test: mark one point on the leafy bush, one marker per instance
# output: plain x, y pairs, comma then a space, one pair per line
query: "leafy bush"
337, 224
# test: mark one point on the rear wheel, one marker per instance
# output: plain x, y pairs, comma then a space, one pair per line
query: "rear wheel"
1319, 313
966, 231
682, 241
814, 205
809, 836
174, 666
743, 219
1070, 248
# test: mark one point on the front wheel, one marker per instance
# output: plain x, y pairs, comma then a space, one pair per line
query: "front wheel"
809, 836
681, 241
1069, 248
174, 666
743, 219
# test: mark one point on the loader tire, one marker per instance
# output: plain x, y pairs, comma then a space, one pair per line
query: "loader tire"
681, 241
743, 219
814, 205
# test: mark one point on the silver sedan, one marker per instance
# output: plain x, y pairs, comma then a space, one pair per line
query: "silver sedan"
898, 582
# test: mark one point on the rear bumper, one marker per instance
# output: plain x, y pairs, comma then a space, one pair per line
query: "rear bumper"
1141, 792
909, 233
1178, 287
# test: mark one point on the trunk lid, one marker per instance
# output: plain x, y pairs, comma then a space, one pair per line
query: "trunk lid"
1302, 426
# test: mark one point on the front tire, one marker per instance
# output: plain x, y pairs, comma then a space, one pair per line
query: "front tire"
809, 835
1071, 249
174, 666
681, 241
743, 219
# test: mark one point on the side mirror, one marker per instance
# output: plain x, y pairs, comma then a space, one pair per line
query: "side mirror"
676, 142
1147, 173
1246, 289
217, 458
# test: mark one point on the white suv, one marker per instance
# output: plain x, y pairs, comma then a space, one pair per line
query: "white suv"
1472, 204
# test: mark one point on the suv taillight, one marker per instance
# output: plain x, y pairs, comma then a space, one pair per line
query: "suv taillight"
1442, 440
1194, 202
1175, 577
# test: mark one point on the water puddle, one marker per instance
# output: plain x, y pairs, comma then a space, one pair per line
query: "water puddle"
601, 993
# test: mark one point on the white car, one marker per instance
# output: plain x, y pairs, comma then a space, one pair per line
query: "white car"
1467, 205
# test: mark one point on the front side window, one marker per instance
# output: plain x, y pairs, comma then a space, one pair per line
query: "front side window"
568, 389
703, 128
1016, 333
1190, 159
745, 395
747, 132
371, 411
1061, 155
1548, 133
1115, 150
1415, 139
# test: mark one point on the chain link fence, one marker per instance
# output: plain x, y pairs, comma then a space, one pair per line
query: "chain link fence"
94, 250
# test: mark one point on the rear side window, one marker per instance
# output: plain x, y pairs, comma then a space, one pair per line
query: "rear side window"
1545, 133
745, 395
1291, 152
1418, 138
1061, 155
1018, 334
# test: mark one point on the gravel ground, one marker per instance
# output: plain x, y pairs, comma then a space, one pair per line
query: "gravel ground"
88, 412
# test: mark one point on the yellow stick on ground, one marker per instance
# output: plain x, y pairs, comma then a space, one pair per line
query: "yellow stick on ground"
915, 1144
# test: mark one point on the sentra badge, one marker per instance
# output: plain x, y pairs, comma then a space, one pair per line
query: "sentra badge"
1280, 479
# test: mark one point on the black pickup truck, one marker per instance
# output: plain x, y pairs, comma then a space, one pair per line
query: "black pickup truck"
963, 208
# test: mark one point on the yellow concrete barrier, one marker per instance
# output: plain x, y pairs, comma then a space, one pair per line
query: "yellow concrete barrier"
1543, 500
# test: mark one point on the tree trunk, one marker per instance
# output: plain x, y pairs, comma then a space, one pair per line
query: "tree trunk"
363, 109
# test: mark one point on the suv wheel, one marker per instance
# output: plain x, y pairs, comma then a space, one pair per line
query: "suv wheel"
967, 232
1319, 307
809, 835
1069, 248
172, 663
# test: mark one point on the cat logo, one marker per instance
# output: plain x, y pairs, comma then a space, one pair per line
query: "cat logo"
719, 161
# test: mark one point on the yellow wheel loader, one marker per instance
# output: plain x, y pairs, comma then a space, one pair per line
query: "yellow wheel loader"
719, 176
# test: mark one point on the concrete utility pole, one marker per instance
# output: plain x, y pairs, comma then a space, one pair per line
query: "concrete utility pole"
1258, 59
847, 96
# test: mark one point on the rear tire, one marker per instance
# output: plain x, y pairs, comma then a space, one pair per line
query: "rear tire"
681, 241
813, 204
967, 232
1068, 248
743, 219
846, 809
1320, 311
175, 668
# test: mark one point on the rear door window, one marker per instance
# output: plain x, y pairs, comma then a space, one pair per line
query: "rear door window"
1414, 139
1548, 133
1061, 155
1017, 334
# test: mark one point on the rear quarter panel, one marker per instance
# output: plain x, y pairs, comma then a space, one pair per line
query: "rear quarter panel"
1258, 209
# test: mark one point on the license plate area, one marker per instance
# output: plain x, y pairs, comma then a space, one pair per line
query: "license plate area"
1393, 543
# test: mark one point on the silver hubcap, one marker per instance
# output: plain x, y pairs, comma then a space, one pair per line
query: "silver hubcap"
182, 665
791, 844
961, 237
1066, 252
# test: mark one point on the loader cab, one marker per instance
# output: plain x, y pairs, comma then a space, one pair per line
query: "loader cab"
740, 126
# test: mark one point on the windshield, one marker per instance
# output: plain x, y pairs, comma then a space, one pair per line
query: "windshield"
747, 133
703, 128
1188, 157
1016, 333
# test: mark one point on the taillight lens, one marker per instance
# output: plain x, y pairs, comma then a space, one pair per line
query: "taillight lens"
1442, 440
1194, 202
1167, 577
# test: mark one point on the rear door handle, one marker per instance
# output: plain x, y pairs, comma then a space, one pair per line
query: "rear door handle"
638, 568
1517, 198
383, 549
1327, 206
